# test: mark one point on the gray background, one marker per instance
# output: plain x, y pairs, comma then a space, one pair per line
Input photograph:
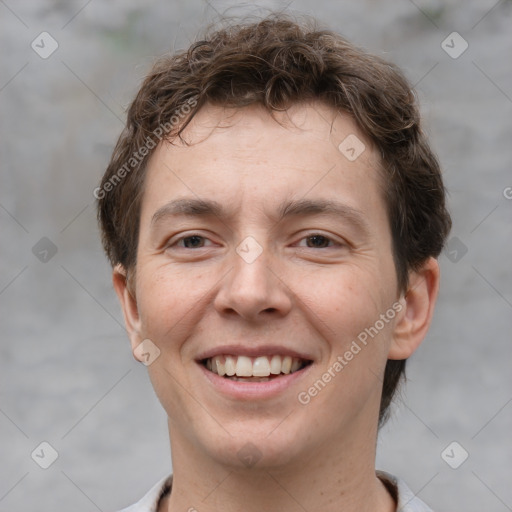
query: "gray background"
66, 372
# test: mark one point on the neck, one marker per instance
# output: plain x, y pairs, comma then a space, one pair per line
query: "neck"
339, 476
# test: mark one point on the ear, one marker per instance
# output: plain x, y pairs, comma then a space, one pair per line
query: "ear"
129, 306
417, 310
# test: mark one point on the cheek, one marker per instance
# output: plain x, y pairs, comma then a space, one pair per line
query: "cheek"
168, 301
346, 301
348, 313
347, 305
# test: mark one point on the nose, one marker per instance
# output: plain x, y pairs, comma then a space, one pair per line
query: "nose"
253, 289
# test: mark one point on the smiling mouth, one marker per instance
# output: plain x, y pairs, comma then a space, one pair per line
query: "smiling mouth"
254, 369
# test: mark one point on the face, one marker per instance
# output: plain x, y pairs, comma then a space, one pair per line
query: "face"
264, 256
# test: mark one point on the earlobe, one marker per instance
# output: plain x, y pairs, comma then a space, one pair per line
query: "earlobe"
128, 304
418, 308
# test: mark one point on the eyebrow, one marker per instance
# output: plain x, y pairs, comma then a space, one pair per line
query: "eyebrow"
324, 207
187, 207
193, 207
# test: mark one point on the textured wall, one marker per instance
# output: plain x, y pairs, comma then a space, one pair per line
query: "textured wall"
67, 376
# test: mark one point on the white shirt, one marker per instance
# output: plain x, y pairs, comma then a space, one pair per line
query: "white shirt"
407, 501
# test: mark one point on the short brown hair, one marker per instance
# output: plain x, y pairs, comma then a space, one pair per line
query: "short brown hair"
277, 62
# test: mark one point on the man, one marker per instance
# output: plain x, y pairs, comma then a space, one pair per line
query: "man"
273, 214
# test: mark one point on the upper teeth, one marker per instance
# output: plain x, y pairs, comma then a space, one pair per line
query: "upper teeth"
244, 366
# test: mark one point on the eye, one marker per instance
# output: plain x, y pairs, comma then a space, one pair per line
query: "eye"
191, 242
318, 241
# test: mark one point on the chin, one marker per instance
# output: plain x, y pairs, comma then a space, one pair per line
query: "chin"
256, 448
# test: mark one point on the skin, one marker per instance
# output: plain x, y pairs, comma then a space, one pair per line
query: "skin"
314, 295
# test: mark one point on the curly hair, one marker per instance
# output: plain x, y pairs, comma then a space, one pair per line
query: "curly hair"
277, 62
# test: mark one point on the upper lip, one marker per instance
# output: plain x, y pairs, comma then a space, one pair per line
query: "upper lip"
252, 351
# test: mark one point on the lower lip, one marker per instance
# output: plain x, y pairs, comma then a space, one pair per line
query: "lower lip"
253, 390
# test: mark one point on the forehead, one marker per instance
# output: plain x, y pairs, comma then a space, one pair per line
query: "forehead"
249, 152
304, 122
